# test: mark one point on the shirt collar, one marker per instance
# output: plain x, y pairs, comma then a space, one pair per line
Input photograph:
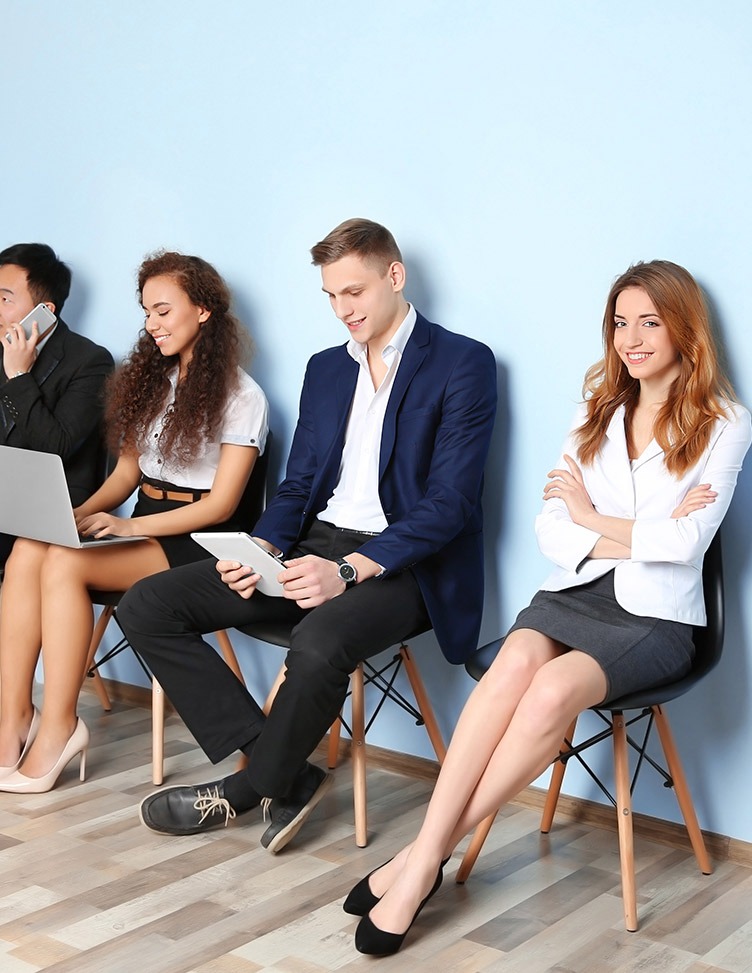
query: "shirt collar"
400, 338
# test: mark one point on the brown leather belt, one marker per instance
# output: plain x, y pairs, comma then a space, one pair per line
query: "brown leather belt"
157, 493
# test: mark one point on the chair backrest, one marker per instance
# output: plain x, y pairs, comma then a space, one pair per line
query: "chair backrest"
709, 638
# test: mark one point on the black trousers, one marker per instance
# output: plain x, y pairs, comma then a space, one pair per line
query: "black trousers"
165, 615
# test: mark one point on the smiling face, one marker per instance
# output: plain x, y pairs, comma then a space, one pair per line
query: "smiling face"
642, 341
370, 303
171, 318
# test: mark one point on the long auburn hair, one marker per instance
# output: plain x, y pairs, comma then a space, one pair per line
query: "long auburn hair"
696, 398
137, 392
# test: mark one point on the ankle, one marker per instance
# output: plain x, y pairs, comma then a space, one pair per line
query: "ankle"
240, 794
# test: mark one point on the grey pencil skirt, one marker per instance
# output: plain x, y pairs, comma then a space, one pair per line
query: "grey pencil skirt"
635, 652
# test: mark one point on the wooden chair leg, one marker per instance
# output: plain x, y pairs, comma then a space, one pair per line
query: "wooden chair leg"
624, 822
424, 704
157, 733
682, 790
332, 751
360, 798
96, 638
557, 778
274, 690
474, 848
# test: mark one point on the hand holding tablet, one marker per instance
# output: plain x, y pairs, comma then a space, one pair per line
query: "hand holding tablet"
241, 547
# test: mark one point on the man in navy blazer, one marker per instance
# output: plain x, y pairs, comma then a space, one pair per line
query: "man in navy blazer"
379, 521
51, 383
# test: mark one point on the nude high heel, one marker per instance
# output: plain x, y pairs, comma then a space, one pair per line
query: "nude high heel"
30, 738
78, 743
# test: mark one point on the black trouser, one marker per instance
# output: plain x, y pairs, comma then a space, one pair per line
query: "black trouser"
165, 615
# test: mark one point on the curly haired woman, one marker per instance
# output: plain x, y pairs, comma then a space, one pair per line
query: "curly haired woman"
187, 424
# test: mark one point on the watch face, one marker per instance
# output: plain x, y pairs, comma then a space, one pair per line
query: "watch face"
347, 572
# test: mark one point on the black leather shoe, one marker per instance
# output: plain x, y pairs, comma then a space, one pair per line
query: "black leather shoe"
289, 813
186, 809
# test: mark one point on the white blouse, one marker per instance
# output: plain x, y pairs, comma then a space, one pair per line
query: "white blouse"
246, 423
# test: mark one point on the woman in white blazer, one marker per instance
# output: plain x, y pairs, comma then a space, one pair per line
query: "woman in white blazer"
645, 479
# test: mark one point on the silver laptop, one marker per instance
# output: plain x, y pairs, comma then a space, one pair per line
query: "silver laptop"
34, 500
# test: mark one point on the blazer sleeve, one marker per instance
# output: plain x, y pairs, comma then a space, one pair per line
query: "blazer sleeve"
76, 412
563, 542
281, 522
685, 539
455, 474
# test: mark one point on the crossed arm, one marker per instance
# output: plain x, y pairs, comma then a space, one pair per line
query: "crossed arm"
615, 540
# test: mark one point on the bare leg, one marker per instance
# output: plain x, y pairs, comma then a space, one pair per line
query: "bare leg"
67, 624
20, 639
494, 753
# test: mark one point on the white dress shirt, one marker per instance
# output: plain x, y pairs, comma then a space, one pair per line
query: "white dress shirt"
355, 502
663, 576
244, 423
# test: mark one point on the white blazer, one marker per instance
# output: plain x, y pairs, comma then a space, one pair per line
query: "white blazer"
663, 576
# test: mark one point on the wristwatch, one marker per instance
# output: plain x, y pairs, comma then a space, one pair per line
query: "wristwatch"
347, 572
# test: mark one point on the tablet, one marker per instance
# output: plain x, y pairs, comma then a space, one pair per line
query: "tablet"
238, 546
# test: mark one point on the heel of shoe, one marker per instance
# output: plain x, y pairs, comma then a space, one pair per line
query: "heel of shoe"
82, 768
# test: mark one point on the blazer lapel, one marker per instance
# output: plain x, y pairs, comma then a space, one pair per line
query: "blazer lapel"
416, 350
618, 463
51, 355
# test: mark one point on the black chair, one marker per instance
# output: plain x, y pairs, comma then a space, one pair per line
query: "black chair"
708, 647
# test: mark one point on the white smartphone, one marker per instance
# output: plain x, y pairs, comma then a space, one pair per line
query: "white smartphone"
43, 317
238, 546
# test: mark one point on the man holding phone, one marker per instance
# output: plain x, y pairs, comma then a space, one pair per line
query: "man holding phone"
379, 521
51, 379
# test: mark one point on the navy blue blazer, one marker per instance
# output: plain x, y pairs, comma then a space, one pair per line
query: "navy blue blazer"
434, 445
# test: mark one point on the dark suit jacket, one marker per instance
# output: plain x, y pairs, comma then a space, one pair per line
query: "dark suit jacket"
57, 408
434, 445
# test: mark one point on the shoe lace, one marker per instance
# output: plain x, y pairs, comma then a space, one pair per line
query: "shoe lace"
212, 803
265, 805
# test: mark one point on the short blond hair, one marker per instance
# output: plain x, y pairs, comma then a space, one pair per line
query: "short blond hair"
368, 240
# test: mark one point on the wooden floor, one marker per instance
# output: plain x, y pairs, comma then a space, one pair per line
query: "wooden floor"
85, 887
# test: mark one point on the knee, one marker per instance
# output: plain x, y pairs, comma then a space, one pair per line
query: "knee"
59, 563
139, 610
548, 702
513, 669
314, 651
25, 555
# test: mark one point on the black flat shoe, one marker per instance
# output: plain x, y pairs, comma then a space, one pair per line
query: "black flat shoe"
361, 899
376, 942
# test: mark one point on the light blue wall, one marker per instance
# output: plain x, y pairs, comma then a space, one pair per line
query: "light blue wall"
523, 155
